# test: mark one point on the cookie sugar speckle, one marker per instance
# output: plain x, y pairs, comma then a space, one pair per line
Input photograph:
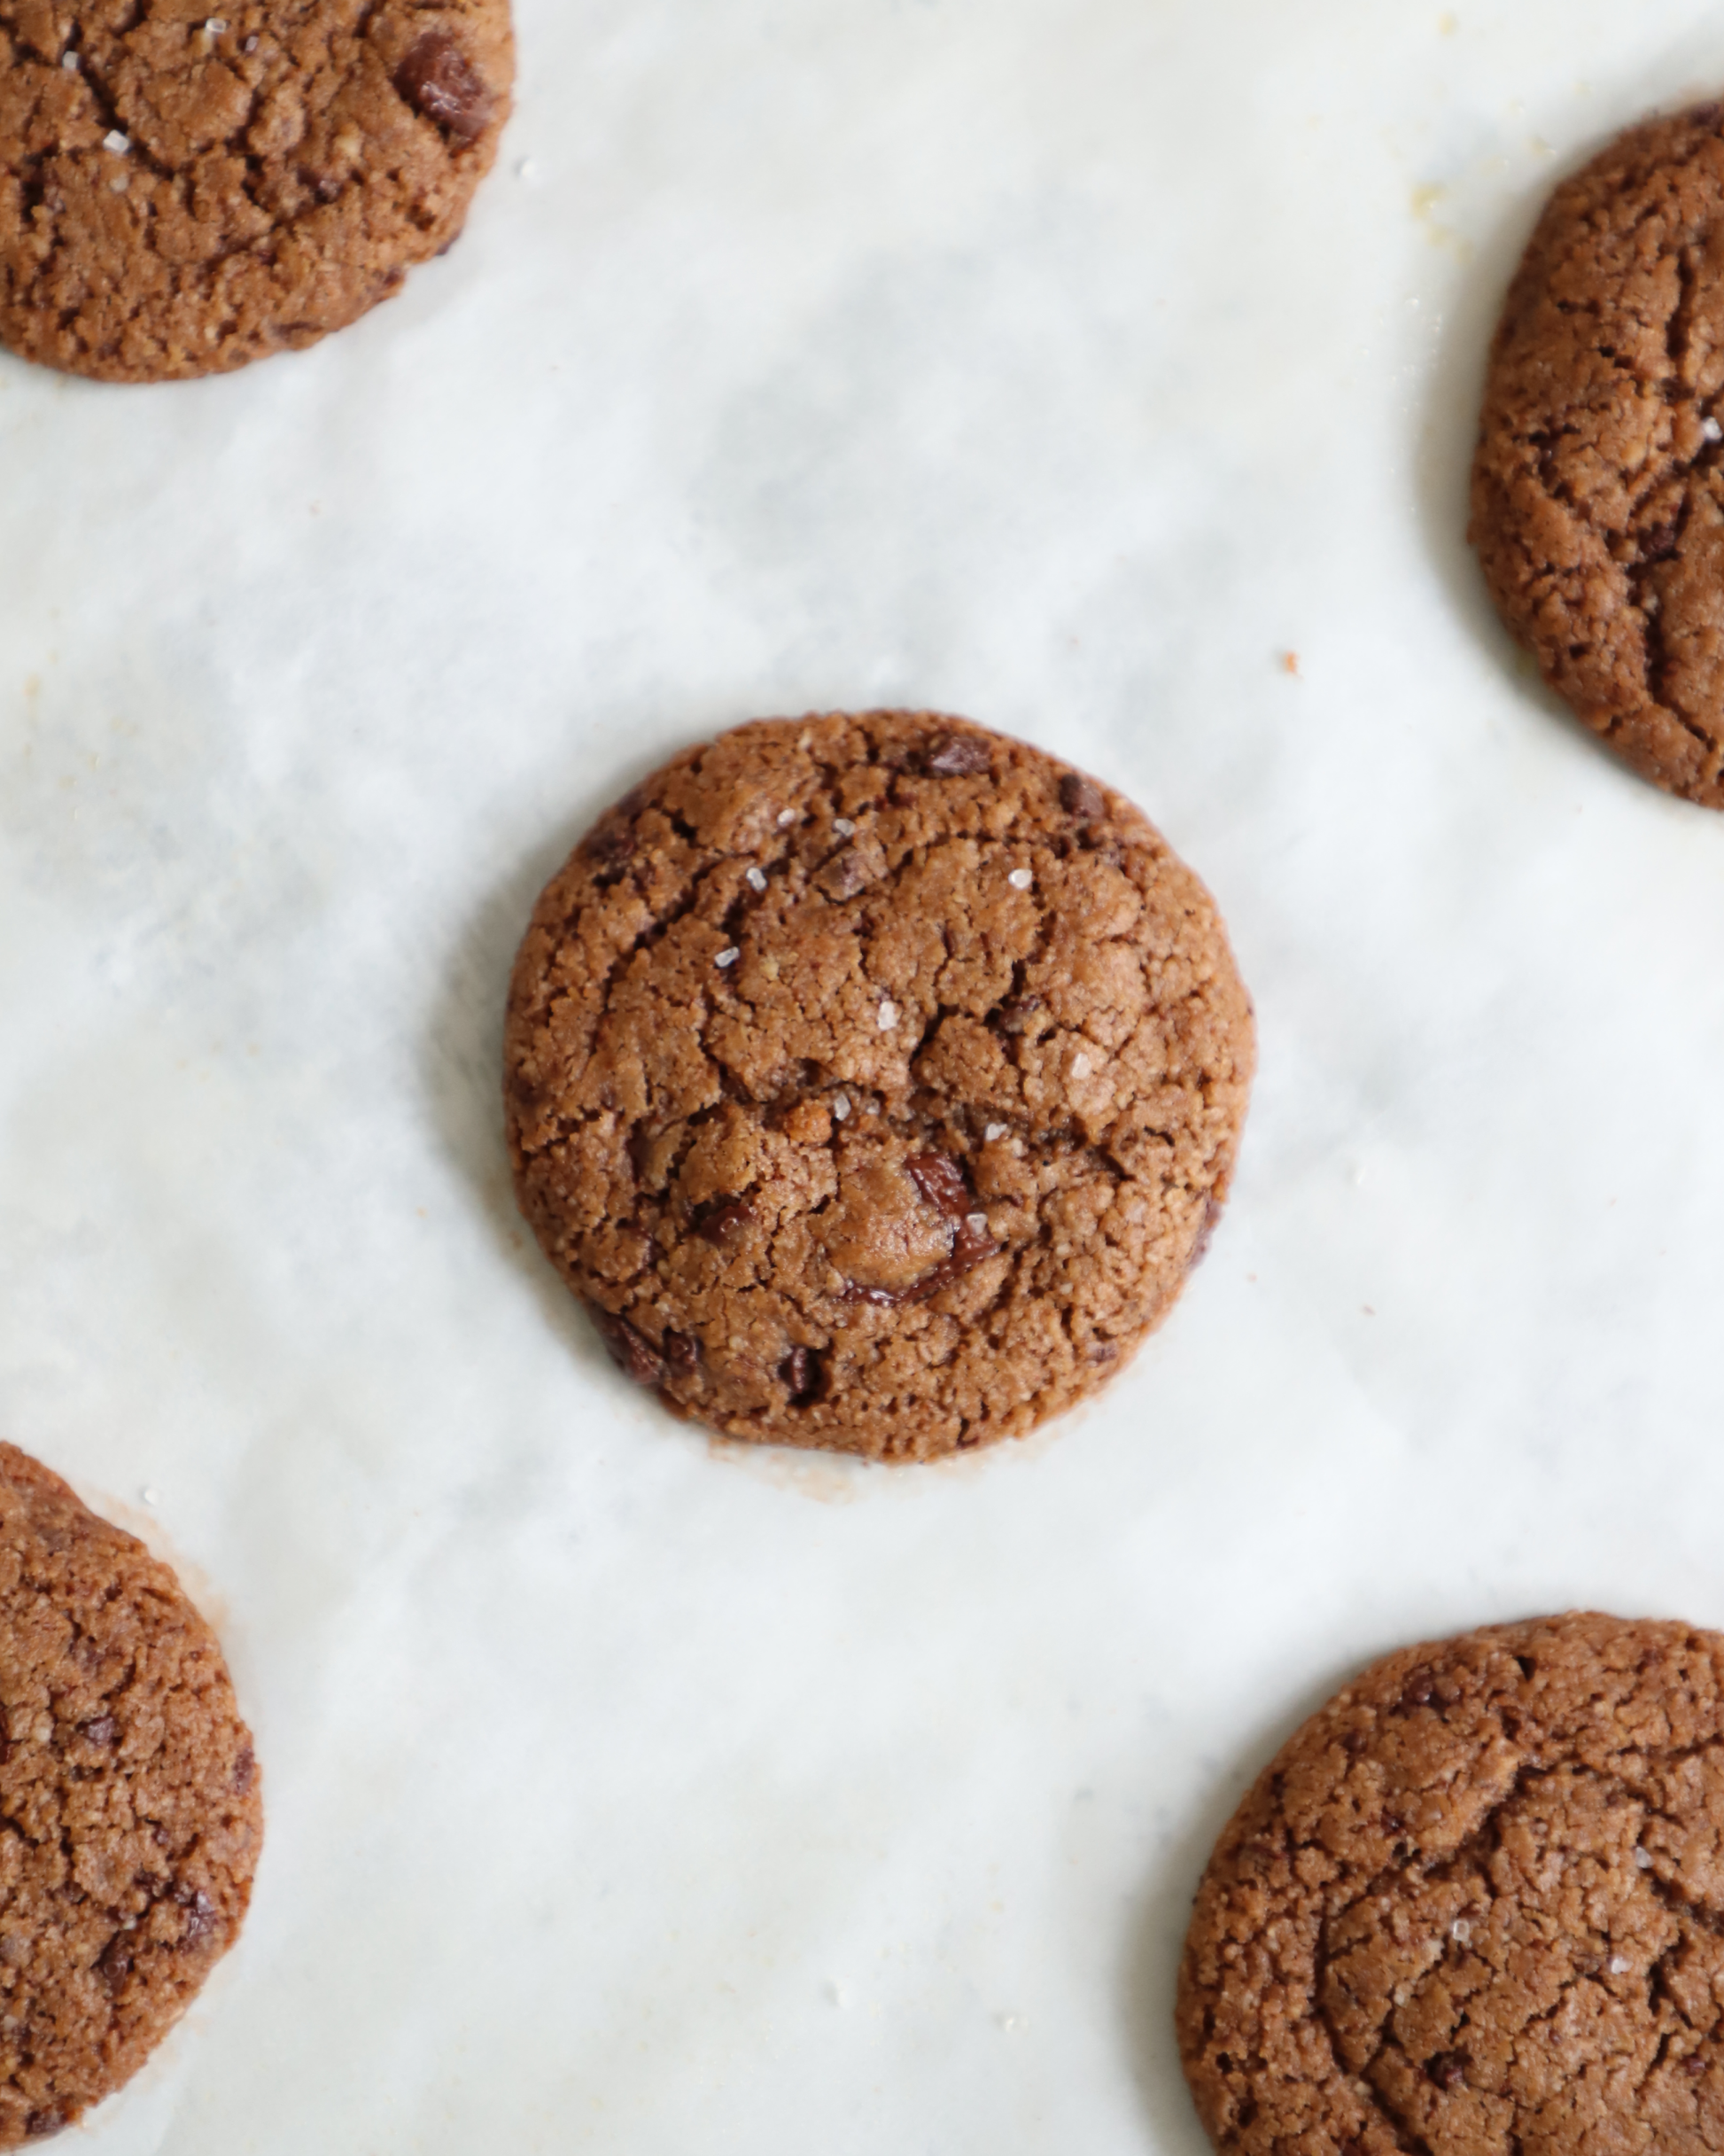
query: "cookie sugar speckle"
1475, 1906
1598, 485
183, 193
130, 1792
846, 1136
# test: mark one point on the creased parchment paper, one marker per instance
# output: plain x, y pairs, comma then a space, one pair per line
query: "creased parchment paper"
1070, 363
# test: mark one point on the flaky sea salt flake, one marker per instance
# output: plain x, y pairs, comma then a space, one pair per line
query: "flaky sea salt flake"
1080, 1066
117, 143
1021, 879
887, 1016
844, 828
1711, 429
727, 958
993, 1131
1643, 1858
841, 1108
786, 816
756, 880
70, 62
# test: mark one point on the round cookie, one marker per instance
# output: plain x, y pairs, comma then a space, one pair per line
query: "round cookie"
875, 1081
1598, 485
182, 191
1475, 1907
129, 1797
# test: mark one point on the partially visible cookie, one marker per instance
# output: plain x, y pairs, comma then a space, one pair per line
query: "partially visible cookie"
1598, 485
129, 1797
875, 1081
1475, 1907
182, 191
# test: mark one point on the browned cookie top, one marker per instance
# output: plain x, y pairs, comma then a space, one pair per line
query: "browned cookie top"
1475, 1907
130, 1798
1598, 488
182, 190
875, 1081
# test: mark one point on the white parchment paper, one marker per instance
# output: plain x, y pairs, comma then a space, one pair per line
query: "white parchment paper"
1063, 363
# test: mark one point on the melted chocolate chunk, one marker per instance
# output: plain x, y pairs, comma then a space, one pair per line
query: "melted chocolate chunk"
722, 1221
971, 1244
245, 1769
441, 83
1082, 798
1419, 1690
629, 1351
800, 1373
682, 1352
957, 755
1695, 2066
40, 2124
115, 1960
102, 1730
1448, 2069
941, 1181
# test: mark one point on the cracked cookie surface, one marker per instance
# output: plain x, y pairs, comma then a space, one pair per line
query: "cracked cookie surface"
184, 190
874, 1080
1475, 1907
1598, 484
128, 1799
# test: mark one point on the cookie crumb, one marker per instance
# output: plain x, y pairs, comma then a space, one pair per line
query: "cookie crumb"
1290, 663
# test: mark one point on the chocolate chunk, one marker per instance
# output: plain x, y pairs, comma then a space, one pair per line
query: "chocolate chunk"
1199, 1249
1082, 798
101, 1730
441, 83
723, 1220
957, 755
1419, 1690
115, 1960
199, 1915
682, 1352
632, 1354
1447, 2069
245, 1769
845, 875
1014, 1015
941, 1181
972, 1243
1693, 2067
883, 1299
613, 842
800, 1373
40, 2124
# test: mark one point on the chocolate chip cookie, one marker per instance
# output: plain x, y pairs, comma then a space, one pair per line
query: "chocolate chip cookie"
875, 1081
1476, 1907
130, 1796
183, 192
1598, 486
